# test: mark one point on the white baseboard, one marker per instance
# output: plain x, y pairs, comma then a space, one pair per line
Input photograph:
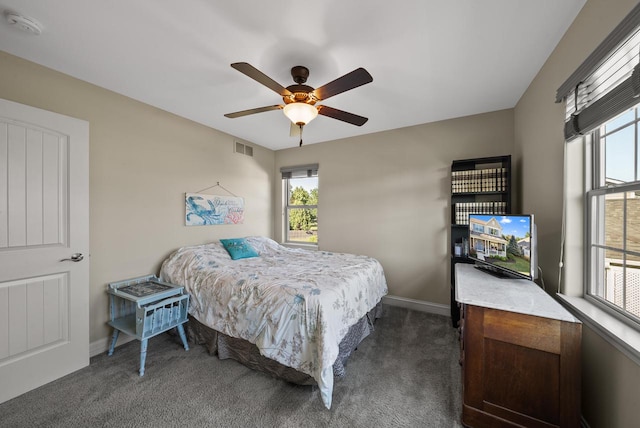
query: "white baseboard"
417, 305
102, 345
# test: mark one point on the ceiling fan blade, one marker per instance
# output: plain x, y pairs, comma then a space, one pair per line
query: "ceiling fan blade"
357, 77
252, 111
344, 116
260, 77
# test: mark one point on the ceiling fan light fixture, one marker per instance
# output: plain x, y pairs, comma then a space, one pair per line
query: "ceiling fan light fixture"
300, 113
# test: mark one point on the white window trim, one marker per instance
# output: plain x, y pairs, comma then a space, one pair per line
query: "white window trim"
616, 332
293, 244
575, 245
573, 295
594, 171
286, 208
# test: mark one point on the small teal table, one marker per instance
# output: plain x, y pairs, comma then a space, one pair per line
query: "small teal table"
145, 307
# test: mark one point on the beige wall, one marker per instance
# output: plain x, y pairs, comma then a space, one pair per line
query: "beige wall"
387, 195
610, 395
142, 161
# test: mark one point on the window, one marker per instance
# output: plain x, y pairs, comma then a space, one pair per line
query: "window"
613, 216
602, 97
301, 204
602, 187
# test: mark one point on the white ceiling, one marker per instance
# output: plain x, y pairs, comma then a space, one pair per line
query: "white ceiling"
430, 59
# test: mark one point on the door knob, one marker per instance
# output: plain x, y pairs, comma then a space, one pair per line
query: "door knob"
75, 257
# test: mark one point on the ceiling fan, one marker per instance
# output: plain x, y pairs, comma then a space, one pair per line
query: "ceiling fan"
300, 99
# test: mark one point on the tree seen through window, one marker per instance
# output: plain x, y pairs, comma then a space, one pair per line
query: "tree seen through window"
302, 211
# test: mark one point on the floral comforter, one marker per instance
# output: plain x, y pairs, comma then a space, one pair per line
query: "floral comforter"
294, 305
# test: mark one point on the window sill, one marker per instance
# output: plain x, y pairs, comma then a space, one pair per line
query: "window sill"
303, 246
614, 331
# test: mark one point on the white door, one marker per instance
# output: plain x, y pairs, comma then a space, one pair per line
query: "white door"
44, 218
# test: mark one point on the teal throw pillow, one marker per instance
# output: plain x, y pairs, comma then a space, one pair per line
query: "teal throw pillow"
238, 248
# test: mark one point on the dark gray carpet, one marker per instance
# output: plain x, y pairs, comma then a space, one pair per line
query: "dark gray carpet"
406, 374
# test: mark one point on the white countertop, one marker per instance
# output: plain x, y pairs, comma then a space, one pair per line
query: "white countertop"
477, 288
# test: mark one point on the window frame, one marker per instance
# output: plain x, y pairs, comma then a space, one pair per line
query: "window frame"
287, 208
598, 188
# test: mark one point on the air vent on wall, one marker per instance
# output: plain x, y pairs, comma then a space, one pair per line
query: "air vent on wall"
243, 149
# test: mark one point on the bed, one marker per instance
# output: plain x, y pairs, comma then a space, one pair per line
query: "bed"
296, 307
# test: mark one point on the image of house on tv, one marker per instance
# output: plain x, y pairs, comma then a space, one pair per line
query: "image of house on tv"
485, 239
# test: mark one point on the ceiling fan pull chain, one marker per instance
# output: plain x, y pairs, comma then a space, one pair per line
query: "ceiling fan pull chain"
300, 125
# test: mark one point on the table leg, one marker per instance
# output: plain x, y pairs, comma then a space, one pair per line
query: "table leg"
114, 339
183, 337
143, 355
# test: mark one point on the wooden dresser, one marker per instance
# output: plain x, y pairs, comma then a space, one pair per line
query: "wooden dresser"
520, 354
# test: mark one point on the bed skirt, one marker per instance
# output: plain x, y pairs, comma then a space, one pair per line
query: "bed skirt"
248, 354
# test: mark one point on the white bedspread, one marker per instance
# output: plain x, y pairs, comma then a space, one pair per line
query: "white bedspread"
295, 305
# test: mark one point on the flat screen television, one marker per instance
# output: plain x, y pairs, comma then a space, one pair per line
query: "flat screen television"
504, 245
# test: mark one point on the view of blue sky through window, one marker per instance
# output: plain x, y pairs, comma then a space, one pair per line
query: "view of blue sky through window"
620, 156
307, 184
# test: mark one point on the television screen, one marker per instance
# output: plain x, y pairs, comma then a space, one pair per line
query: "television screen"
504, 244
